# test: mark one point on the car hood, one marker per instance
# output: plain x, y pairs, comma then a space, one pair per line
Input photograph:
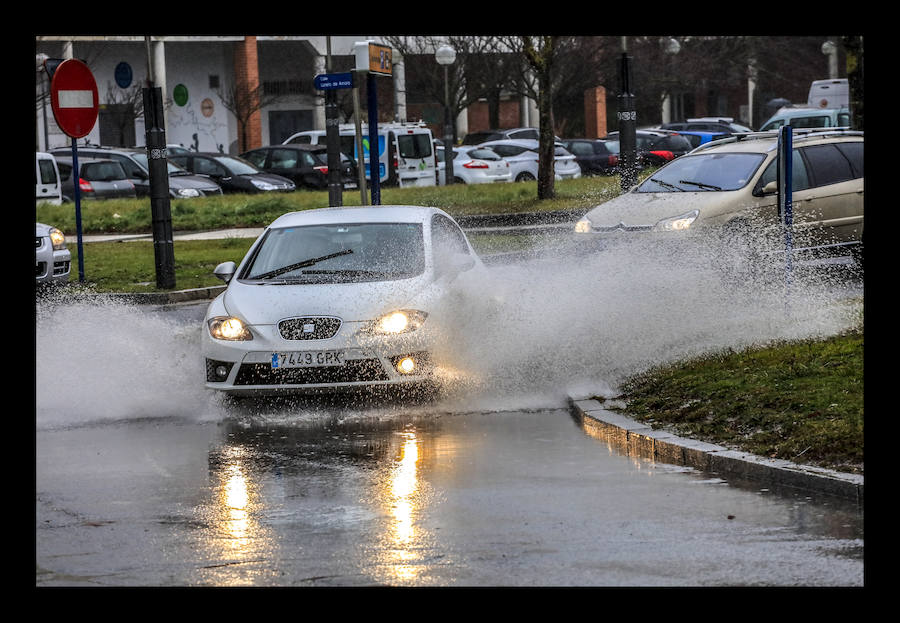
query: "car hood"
178, 180
267, 304
636, 209
270, 178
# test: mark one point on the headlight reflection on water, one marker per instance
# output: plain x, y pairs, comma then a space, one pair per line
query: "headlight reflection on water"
403, 498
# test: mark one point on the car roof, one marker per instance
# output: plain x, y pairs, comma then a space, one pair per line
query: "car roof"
357, 214
764, 142
527, 143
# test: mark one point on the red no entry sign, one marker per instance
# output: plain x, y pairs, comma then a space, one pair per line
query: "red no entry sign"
73, 98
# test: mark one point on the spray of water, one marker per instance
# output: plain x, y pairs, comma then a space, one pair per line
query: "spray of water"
521, 335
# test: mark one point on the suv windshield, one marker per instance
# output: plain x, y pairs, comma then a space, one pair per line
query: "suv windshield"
703, 172
352, 252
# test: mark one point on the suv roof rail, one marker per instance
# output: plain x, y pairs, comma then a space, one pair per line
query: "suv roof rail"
798, 133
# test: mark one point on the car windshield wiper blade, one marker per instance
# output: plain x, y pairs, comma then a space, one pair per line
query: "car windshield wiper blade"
666, 184
700, 184
303, 264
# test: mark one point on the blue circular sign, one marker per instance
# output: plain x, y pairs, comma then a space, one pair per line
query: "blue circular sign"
123, 75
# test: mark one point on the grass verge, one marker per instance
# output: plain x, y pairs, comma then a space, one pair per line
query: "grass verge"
798, 401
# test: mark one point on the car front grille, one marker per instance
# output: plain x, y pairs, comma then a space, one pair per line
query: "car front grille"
353, 371
309, 328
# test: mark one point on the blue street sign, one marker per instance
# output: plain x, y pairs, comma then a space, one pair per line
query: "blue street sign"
334, 81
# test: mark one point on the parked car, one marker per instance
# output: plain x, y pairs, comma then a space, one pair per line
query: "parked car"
182, 184
46, 179
594, 156
700, 137
477, 138
522, 155
98, 178
231, 173
808, 118
731, 186
708, 124
52, 260
657, 147
336, 298
305, 165
473, 164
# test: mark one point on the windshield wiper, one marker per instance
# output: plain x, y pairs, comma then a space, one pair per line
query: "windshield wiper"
666, 184
700, 184
303, 264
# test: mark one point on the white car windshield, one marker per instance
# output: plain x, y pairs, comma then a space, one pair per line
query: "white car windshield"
703, 172
339, 253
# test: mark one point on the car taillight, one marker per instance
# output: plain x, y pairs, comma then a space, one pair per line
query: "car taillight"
665, 155
476, 164
85, 186
613, 159
323, 170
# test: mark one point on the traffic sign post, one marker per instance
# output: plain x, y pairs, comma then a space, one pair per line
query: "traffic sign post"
330, 83
785, 200
75, 105
374, 60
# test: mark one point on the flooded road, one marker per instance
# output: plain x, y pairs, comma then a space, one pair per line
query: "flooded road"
143, 478
394, 497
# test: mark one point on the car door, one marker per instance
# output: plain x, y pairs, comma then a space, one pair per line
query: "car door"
833, 205
47, 185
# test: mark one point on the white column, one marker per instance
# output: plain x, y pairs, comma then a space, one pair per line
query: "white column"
398, 72
319, 110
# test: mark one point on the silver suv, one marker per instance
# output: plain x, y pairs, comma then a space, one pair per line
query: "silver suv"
731, 183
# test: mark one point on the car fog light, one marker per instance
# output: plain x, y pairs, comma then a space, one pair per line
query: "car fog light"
407, 365
221, 371
583, 226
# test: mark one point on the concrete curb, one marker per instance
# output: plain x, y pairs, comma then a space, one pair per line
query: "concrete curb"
639, 439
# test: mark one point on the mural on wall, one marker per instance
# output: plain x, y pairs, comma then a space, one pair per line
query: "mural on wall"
205, 129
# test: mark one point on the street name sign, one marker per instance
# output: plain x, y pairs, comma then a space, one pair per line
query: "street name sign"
334, 81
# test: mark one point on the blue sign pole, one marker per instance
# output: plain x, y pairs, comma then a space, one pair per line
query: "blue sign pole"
374, 152
77, 209
785, 199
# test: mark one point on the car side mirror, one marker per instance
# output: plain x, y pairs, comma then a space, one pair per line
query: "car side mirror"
225, 271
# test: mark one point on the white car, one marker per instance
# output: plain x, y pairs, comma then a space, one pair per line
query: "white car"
473, 164
335, 298
522, 155
52, 259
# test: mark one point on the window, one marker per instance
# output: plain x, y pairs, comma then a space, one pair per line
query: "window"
723, 171
101, 171
484, 154
508, 150
204, 166
256, 158
303, 139
284, 159
854, 153
529, 133
799, 176
829, 165
581, 149
414, 145
48, 173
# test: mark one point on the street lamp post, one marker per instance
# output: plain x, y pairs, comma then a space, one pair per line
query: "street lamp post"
446, 55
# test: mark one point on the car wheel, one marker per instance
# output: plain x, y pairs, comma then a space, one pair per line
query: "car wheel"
524, 177
458, 180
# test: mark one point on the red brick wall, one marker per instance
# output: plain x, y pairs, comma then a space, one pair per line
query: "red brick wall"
595, 113
246, 77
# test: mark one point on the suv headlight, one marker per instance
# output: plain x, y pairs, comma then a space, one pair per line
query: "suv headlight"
583, 226
228, 328
677, 223
58, 239
188, 192
400, 321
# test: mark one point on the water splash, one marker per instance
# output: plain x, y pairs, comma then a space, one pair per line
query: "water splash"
524, 335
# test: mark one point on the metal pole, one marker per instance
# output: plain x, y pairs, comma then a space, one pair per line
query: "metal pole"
160, 210
627, 117
360, 157
374, 151
448, 133
785, 201
332, 139
77, 209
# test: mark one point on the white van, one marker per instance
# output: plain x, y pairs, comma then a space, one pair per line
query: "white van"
833, 93
808, 118
405, 151
47, 186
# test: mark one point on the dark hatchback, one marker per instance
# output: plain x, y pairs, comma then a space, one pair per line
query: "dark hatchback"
233, 174
305, 165
182, 184
594, 156
657, 147
97, 179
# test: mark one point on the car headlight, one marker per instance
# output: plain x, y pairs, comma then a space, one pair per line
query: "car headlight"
188, 192
400, 321
262, 185
583, 226
228, 328
58, 239
677, 223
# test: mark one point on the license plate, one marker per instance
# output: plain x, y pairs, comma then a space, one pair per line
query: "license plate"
308, 359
